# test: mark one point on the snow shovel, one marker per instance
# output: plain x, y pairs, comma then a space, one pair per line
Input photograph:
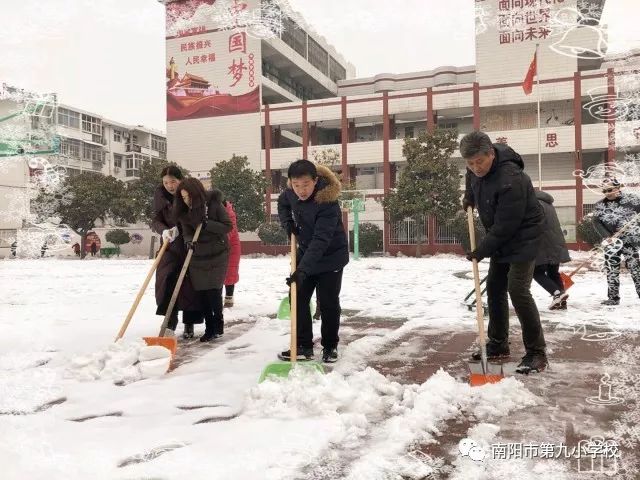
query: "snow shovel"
143, 288
282, 369
479, 373
567, 281
171, 342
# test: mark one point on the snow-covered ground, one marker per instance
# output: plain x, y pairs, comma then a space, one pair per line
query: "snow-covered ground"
72, 406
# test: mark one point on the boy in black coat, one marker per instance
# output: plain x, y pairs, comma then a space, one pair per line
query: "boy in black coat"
509, 210
309, 209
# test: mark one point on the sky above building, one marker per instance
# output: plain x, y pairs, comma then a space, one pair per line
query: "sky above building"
108, 56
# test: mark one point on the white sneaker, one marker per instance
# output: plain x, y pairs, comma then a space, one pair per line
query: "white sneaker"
228, 301
558, 300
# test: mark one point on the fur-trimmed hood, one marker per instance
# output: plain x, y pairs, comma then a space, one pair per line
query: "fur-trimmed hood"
328, 187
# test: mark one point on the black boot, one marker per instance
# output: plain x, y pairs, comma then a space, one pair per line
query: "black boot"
611, 302
494, 351
303, 354
188, 331
532, 362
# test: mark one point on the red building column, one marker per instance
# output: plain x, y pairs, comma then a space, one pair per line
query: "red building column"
430, 119
305, 130
346, 174
476, 106
577, 124
611, 105
386, 167
267, 161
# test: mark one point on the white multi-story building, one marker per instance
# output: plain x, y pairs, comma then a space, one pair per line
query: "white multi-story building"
367, 119
85, 141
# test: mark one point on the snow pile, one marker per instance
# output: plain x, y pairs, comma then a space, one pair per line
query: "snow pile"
438, 399
122, 362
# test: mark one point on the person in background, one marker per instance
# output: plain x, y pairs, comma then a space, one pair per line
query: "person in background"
208, 267
551, 253
94, 249
615, 211
14, 248
233, 269
76, 249
171, 262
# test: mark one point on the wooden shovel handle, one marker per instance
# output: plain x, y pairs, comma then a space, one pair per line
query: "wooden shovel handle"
293, 302
133, 308
176, 291
478, 289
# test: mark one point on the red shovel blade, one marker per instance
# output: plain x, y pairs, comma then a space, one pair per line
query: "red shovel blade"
566, 281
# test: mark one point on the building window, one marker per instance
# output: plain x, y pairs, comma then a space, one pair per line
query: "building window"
336, 71
448, 125
91, 124
70, 147
92, 153
158, 144
117, 136
68, 118
408, 132
294, 36
318, 56
117, 160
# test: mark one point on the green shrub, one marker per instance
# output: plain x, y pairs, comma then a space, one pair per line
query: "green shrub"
118, 237
586, 231
370, 239
271, 233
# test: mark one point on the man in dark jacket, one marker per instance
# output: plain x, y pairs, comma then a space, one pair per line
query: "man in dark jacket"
611, 214
309, 208
552, 252
498, 187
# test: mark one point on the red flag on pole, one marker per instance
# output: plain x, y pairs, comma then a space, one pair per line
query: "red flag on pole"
527, 84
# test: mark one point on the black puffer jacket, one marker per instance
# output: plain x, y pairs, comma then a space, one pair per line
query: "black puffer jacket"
322, 242
508, 208
553, 248
208, 266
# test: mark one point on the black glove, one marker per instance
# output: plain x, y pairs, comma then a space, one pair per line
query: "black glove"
204, 223
298, 276
191, 245
466, 203
290, 227
473, 256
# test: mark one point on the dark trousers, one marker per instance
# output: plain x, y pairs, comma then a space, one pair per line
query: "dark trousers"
328, 287
613, 258
548, 277
212, 309
513, 279
228, 290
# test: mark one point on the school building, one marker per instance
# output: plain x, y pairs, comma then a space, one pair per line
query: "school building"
365, 120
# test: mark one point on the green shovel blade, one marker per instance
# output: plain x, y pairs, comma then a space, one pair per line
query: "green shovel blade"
284, 310
282, 369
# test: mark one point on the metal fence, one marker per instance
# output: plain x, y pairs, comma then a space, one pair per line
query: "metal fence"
407, 232
446, 235
587, 208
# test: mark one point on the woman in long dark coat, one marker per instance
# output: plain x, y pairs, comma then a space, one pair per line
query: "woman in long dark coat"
208, 267
173, 259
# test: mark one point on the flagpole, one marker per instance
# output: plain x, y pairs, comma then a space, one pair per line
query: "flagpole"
539, 130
